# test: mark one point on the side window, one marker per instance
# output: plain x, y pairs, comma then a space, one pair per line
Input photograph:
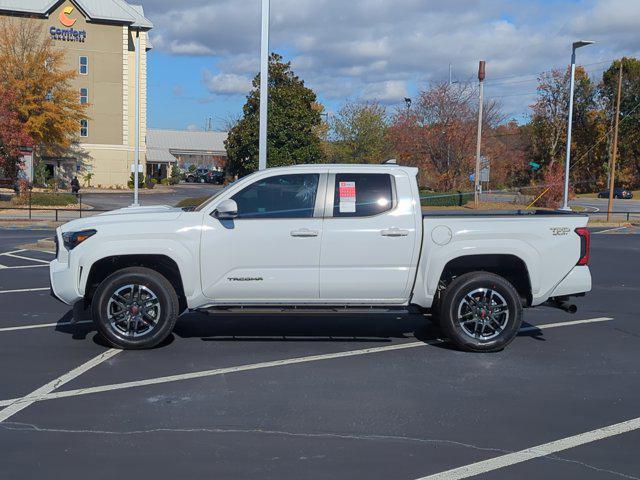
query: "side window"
283, 196
362, 194
84, 66
84, 96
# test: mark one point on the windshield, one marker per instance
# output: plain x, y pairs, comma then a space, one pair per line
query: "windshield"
210, 199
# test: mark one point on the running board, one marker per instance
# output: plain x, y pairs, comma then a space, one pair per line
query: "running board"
304, 310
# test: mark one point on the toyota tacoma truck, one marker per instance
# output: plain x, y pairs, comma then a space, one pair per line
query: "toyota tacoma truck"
347, 236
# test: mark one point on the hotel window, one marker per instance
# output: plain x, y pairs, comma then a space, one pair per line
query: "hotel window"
84, 65
84, 128
84, 96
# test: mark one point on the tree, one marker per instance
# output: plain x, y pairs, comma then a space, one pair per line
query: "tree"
12, 136
360, 134
439, 133
44, 100
629, 134
292, 126
549, 128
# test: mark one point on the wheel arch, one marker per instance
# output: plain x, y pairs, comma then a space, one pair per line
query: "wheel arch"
163, 264
510, 267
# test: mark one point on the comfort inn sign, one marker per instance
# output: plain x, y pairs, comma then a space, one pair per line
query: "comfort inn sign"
68, 34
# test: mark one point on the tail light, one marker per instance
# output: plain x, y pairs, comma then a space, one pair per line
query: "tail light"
585, 245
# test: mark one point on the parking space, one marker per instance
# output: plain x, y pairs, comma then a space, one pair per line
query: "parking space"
322, 396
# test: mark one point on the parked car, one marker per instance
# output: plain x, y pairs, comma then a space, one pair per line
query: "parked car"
617, 193
321, 236
215, 177
197, 176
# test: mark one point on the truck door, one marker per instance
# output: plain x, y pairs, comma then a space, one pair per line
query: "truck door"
270, 253
369, 239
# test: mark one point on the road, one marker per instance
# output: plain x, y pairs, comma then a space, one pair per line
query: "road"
317, 396
601, 204
112, 201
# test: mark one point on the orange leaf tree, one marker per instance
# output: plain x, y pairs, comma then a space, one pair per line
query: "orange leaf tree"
45, 102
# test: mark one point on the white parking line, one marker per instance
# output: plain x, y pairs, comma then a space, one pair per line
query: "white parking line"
536, 452
23, 290
25, 266
609, 230
277, 363
38, 394
25, 258
43, 325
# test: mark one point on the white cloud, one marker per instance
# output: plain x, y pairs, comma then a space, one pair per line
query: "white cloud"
227, 83
362, 48
392, 91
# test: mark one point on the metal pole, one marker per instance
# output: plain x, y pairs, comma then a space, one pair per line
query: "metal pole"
136, 154
612, 170
567, 163
264, 85
481, 75
450, 78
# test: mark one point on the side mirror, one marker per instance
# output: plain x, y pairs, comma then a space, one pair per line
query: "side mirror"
227, 210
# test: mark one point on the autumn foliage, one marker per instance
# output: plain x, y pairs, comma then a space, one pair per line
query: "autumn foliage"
41, 98
13, 137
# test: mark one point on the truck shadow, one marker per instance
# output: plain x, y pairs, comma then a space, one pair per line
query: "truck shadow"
301, 327
292, 327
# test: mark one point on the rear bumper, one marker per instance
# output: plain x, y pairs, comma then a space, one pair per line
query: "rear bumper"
578, 281
63, 283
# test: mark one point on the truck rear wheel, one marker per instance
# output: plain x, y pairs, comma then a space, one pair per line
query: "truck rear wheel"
480, 312
135, 308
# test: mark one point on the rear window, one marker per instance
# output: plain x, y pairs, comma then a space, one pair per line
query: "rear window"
362, 194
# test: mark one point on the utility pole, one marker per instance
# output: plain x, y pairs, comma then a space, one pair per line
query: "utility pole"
612, 168
264, 85
481, 75
450, 77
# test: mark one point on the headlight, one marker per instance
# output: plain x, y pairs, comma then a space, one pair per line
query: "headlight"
73, 239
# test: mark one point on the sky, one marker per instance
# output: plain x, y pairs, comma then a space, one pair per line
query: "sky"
207, 51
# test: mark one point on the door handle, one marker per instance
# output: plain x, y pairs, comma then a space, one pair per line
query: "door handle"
394, 232
305, 233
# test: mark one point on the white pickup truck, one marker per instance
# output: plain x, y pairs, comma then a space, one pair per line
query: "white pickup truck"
320, 236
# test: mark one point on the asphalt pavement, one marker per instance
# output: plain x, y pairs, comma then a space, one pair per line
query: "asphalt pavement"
317, 396
113, 201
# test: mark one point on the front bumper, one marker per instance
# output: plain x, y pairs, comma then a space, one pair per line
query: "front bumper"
64, 285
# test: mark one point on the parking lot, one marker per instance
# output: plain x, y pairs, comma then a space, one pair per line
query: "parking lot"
317, 396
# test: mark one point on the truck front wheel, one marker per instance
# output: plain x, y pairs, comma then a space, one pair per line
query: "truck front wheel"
480, 312
135, 308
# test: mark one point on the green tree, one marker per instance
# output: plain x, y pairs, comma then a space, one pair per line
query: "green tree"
294, 119
359, 132
548, 128
629, 134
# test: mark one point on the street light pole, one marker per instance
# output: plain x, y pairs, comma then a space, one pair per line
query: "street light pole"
136, 152
481, 75
612, 169
264, 85
567, 163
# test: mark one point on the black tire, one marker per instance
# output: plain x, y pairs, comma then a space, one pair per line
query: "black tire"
190, 179
165, 317
456, 300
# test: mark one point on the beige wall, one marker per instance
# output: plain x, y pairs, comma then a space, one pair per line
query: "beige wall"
110, 81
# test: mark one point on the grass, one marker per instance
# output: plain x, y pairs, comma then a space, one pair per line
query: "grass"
192, 202
46, 199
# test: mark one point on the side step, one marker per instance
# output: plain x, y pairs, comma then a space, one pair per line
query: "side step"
304, 310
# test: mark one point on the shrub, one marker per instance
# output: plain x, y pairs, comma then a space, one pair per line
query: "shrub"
165, 181
445, 199
150, 183
140, 181
46, 199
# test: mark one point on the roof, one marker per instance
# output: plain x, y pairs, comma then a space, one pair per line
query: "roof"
162, 144
105, 10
